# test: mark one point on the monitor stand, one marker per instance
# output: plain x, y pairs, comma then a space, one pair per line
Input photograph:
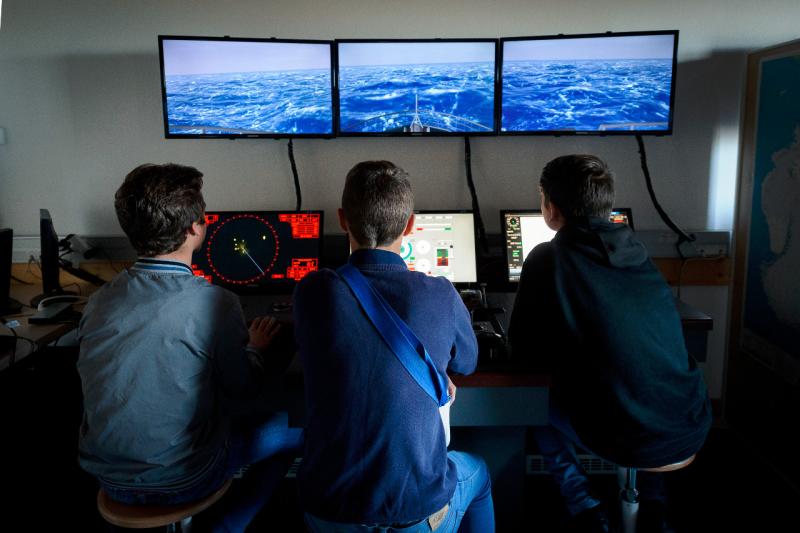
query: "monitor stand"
58, 292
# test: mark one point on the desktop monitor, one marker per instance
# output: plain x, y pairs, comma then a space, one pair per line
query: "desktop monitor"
48, 240
259, 250
622, 215
7, 304
606, 84
522, 232
49, 259
223, 87
442, 243
416, 87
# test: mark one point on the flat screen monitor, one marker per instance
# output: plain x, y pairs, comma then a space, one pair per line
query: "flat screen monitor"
442, 243
416, 87
622, 215
7, 304
48, 241
222, 87
259, 249
522, 232
621, 83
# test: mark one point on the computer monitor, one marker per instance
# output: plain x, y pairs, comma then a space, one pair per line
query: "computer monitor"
49, 260
411, 87
442, 243
522, 232
7, 304
591, 84
267, 251
622, 215
232, 87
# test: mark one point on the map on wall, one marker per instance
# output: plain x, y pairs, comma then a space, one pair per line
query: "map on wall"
772, 298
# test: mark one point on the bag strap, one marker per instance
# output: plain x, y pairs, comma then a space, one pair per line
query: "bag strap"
398, 336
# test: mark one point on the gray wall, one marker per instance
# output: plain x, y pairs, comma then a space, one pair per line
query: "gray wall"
81, 104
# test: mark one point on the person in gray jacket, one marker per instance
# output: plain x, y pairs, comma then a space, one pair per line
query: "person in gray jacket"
166, 360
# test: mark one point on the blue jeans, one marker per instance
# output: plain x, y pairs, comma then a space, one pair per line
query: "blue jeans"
471, 508
268, 446
556, 443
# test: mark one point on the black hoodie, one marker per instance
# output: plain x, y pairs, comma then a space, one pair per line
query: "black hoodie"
594, 312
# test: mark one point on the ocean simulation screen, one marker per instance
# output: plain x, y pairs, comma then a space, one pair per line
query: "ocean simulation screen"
227, 88
259, 248
592, 84
416, 87
442, 244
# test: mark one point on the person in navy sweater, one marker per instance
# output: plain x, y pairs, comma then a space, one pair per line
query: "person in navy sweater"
594, 312
375, 453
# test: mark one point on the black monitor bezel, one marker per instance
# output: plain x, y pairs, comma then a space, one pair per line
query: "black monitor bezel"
628, 213
48, 254
558, 133
165, 116
458, 284
495, 128
274, 287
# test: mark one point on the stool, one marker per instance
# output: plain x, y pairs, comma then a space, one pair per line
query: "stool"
629, 496
147, 516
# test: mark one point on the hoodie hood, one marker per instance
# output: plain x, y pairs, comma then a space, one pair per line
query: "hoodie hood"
605, 242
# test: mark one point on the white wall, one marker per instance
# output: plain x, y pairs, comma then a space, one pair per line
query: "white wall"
80, 100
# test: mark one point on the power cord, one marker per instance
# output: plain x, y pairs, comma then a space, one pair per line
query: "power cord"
476, 209
682, 235
297, 191
18, 338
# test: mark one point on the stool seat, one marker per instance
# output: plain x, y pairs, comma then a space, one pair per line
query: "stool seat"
148, 516
670, 468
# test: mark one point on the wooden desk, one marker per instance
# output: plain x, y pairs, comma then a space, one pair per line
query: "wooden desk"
37, 335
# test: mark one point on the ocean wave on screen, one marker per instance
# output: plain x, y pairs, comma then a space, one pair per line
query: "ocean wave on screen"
586, 95
259, 102
383, 98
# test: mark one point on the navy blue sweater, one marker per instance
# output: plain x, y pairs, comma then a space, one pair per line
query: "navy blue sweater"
594, 311
375, 448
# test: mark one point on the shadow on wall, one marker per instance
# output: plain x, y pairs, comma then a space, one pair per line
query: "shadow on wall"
707, 115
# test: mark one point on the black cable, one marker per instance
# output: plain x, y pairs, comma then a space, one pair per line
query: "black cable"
296, 177
475, 207
17, 338
682, 235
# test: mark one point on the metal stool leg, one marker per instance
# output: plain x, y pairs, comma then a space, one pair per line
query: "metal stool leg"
629, 500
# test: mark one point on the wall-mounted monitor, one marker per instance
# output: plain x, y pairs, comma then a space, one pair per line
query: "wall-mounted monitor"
416, 87
223, 87
606, 84
442, 243
259, 249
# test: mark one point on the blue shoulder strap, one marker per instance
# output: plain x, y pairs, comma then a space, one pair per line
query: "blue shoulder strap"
403, 342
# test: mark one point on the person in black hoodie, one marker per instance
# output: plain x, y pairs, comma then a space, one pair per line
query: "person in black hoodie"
594, 312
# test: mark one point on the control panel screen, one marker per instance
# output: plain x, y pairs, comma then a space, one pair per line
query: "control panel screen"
442, 244
523, 231
251, 249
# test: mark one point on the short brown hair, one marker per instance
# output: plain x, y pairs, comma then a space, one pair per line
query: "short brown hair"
157, 204
579, 185
377, 202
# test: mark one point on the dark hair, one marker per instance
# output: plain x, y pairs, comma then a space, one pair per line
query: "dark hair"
377, 202
579, 185
157, 204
